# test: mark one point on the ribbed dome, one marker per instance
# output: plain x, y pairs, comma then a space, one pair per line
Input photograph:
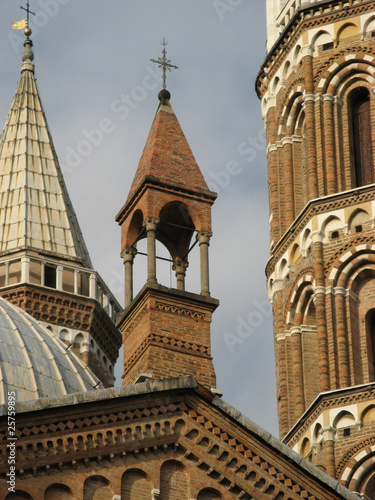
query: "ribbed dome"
34, 362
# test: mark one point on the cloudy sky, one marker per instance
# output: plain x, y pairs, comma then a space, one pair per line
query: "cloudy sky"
94, 74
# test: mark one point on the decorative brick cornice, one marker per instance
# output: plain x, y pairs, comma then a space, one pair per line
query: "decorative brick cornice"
170, 342
181, 311
184, 424
72, 311
315, 207
335, 399
313, 15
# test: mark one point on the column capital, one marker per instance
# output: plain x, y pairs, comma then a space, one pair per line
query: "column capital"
155, 494
180, 266
329, 98
150, 223
320, 289
328, 433
128, 254
287, 140
204, 237
295, 330
277, 285
317, 237
309, 97
306, 50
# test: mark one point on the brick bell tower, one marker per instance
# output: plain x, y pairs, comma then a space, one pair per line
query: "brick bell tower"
166, 331
317, 87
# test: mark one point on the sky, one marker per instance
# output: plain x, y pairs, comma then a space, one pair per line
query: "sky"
99, 92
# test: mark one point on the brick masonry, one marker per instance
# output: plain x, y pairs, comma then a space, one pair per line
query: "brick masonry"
157, 440
321, 271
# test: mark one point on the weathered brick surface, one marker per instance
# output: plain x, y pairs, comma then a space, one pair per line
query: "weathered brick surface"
170, 437
324, 310
166, 333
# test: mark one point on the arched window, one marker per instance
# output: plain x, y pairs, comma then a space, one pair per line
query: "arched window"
359, 105
370, 334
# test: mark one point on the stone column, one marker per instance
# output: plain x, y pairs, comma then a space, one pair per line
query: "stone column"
93, 286
204, 241
42, 272
328, 434
59, 277
329, 144
150, 224
299, 396
288, 180
25, 270
309, 100
76, 281
320, 306
128, 255
180, 267
342, 341
281, 357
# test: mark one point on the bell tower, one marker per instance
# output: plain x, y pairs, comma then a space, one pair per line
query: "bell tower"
317, 89
166, 331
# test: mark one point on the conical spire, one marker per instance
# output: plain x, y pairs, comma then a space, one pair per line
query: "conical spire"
35, 209
167, 157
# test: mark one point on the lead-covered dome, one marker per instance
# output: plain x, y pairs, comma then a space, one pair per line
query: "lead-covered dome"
35, 363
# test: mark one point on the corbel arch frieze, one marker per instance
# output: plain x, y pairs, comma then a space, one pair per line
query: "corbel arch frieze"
220, 451
247, 467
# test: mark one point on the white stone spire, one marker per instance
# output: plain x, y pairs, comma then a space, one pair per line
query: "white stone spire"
35, 210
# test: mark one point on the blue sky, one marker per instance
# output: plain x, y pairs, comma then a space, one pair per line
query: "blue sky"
92, 55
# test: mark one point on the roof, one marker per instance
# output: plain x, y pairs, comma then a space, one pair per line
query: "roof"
167, 157
114, 407
35, 209
35, 363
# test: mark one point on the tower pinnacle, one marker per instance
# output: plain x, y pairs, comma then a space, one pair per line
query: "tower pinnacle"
28, 11
164, 63
19, 25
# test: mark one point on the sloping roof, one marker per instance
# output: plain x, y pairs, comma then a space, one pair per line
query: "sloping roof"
35, 209
167, 157
35, 363
246, 457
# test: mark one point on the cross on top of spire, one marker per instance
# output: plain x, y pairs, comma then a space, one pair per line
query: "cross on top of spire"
27, 9
164, 63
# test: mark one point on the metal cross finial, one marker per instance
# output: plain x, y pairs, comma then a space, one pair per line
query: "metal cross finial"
164, 63
27, 9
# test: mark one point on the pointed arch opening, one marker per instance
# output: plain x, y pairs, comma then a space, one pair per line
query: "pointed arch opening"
370, 337
361, 136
